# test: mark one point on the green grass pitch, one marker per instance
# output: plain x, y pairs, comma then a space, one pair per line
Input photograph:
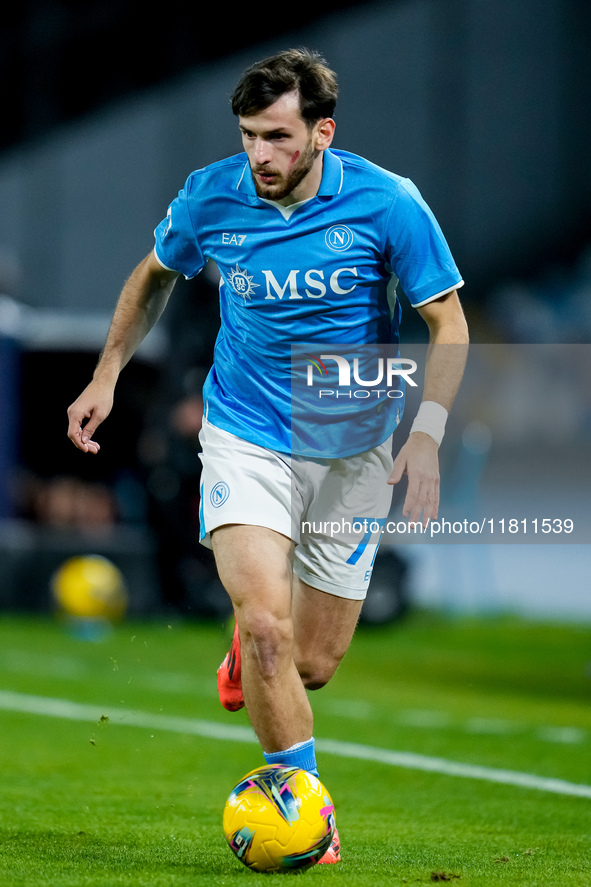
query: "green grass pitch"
91, 796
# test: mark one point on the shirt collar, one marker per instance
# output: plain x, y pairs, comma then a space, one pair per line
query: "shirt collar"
332, 175
330, 184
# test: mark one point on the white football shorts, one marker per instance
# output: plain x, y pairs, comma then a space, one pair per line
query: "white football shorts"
334, 510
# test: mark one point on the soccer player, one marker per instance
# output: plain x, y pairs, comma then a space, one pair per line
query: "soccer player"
309, 242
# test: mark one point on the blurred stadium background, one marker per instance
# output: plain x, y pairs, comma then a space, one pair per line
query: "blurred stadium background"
108, 106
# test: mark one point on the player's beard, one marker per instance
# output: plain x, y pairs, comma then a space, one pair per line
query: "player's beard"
285, 185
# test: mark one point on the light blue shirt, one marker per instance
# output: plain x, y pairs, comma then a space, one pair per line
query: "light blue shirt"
326, 274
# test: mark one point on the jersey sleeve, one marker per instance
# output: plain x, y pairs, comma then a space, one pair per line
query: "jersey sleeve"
416, 248
176, 246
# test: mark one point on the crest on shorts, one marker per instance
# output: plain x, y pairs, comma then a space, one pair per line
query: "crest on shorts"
219, 494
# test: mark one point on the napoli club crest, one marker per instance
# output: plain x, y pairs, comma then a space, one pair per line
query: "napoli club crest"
219, 494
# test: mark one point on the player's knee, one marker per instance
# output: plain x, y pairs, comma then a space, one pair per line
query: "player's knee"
269, 639
317, 672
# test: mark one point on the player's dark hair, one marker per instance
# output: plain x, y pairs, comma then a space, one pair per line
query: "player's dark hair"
303, 70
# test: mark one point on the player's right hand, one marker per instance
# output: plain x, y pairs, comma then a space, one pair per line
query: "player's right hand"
94, 405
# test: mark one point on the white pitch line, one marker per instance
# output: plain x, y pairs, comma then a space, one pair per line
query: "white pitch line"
411, 761
76, 711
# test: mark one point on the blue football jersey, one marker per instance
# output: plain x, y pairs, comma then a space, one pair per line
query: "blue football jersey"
327, 273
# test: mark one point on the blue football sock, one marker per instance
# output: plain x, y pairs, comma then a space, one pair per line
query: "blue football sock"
302, 755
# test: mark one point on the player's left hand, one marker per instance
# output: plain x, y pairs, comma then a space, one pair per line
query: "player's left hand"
419, 460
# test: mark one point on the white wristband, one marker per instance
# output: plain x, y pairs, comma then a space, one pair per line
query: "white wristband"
431, 419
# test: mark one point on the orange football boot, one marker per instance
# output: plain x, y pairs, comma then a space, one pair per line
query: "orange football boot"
333, 854
229, 676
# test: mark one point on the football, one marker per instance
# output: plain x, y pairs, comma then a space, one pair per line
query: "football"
90, 587
279, 819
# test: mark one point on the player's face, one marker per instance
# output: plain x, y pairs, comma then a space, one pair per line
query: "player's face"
285, 155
